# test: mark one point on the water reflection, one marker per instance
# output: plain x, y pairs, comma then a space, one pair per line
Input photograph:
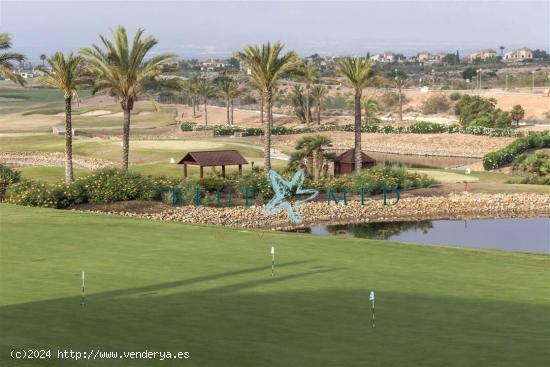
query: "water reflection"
514, 234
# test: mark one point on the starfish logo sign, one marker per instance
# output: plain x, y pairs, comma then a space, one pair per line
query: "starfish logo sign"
285, 191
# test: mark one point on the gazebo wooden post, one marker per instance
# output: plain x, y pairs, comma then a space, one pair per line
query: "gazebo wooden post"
240, 170
201, 174
185, 170
223, 171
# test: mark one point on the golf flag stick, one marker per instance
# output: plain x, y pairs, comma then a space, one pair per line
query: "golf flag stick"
82, 299
272, 261
371, 298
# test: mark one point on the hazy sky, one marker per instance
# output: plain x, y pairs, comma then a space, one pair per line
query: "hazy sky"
204, 29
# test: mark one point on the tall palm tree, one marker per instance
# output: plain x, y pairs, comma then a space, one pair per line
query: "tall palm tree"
399, 84
43, 58
267, 66
7, 58
307, 73
66, 74
356, 73
206, 89
228, 88
319, 92
120, 69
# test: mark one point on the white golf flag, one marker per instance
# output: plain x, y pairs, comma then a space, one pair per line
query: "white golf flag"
371, 296
272, 250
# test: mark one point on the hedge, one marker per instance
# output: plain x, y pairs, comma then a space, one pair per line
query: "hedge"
504, 156
421, 127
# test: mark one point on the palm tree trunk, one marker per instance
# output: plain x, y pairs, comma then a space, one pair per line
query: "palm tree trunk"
194, 109
310, 165
262, 109
232, 112
357, 129
400, 106
126, 138
69, 176
267, 132
319, 113
227, 106
307, 105
205, 111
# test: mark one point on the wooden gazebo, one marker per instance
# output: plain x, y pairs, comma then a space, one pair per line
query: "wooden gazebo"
345, 162
213, 158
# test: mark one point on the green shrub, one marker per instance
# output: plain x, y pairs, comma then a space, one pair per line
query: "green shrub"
533, 165
8, 175
112, 184
258, 181
188, 126
506, 155
35, 193
455, 96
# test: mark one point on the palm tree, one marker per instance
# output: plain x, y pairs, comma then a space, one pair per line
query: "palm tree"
267, 66
501, 51
189, 87
43, 58
399, 84
120, 70
228, 88
356, 72
314, 149
66, 74
206, 89
6, 59
319, 92
370, 106
308, 72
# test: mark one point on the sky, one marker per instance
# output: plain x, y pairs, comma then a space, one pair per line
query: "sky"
216, 29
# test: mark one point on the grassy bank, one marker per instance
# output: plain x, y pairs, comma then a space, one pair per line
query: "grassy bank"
206, 290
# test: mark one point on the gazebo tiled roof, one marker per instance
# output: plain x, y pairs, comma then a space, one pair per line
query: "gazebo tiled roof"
214, 158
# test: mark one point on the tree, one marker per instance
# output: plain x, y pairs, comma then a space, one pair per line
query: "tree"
399, 84
319, 92
469, 73
120, 69
43, 58
228, 88
313, 149
356, 73
370, 106
267, 66
517, 114
206, 89
501, 51
298, 102
66, 74
7, 58
307, 73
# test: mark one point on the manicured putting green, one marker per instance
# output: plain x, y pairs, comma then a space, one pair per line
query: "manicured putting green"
208, 290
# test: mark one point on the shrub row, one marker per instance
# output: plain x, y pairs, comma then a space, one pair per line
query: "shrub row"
102, 186
111, 185
504, 156
421, 127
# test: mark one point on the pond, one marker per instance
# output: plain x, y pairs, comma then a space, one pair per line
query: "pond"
420, 161
516, 234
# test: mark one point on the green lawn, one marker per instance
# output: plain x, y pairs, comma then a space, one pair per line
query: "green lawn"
207, 290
